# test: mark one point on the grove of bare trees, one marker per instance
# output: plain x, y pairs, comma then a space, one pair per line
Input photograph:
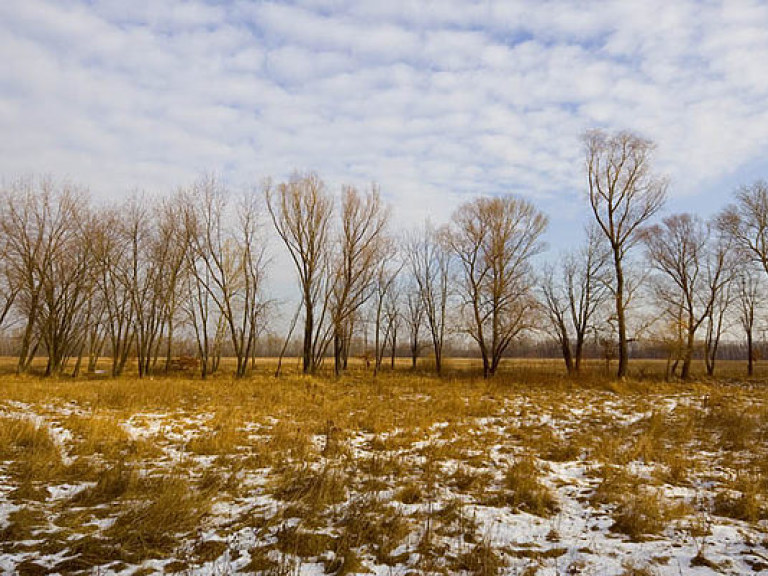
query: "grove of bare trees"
155, 285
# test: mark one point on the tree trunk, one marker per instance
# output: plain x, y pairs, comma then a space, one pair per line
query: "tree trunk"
308, 332
337, 352
394, 348
169, 347
495, 361
750, 353
78, 362
25, 358
686, 371
414, 352
376, 345
486, 363
579, 352
621, 317
567, 355
668, 368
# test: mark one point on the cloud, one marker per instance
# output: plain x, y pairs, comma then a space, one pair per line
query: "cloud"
436, 101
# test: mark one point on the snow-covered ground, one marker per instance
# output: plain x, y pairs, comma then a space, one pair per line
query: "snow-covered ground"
311, 497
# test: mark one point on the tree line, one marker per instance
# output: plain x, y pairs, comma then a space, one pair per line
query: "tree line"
81, 282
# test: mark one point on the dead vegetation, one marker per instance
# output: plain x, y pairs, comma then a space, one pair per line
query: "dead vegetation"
419, 474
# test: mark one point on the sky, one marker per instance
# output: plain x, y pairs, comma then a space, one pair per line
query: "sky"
436, 101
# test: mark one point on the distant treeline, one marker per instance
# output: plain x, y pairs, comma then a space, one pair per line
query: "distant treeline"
544, 348
148, 281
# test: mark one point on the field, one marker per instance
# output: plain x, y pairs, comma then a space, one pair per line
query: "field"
405, 473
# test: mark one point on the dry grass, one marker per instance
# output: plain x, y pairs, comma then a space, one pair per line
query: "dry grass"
645, 513
526, 492
744, 499
314, 489
481, 560
35, 458
356, 471
151, 527
224, 434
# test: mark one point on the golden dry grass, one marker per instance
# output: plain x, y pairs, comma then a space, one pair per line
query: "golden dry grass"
360, 470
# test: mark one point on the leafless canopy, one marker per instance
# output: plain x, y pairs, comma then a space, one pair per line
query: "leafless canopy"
624, 193
494, 240
428, 262
301, 211
692, 271
362, 244
573, 294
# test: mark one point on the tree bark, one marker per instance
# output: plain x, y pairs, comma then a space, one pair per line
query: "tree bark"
621, 316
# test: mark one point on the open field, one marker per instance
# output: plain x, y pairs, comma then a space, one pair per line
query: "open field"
529, 473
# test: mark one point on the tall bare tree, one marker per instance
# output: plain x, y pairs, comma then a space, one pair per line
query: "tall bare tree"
414, 320
746, 222
202, 314
172, 233
25, 228
362, 243
724, 261
691, 273
751, 299
574, 293
10, 281
301, 210
386, 274
65, 276
624, 194
144, 276
717, 324
47, 255
428, 259
494, 240
111, 255
229, 264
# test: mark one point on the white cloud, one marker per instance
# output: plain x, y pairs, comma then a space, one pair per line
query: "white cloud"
434, 100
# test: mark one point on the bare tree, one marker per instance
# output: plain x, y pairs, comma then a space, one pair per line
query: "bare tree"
494, 240
65, 276
746, 221
573, 294
228, 264
96, 334
715, 327
10, 281
203, 315
623, 194
723, 263
362, 243
172, 233
670, 335
25, 228
691, 274
47, 259
394, 318
111, 257
144, 276
414, 320
384, 283
428, 260
751, 299
301, 211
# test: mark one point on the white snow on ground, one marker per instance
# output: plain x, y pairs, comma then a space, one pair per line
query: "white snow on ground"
577, 539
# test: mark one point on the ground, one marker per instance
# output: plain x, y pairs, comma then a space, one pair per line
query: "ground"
405, 473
